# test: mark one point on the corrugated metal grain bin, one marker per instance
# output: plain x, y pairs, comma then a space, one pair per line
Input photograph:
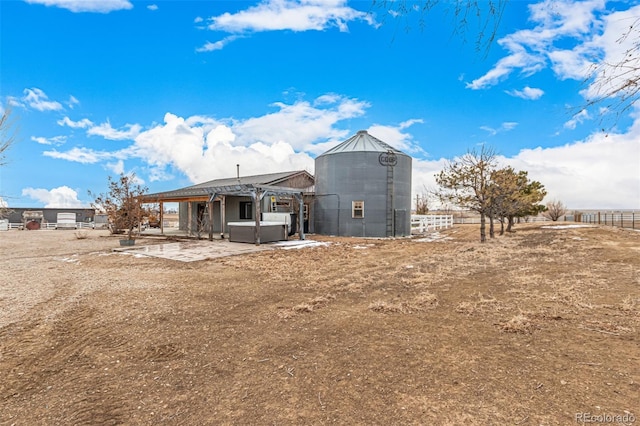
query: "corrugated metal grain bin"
363, 188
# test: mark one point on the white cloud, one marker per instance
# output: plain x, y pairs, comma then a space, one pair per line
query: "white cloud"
528, 63
60, 197
304, 15
56, 140
394, 136
279, 15
204, 148
218, 45
152, 7
599, 172
81, 124
577, 119
504, 127
203, 152
531, 50
526, 93
301, 124
81, 155
37, 99
106, 131
423, 176
99, 6
579, 174
117, 167
73, 101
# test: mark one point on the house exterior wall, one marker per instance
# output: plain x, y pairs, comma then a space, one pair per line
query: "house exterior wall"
301, 181
232, 214
344, 177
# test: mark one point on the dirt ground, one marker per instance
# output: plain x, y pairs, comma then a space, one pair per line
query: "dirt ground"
533, 328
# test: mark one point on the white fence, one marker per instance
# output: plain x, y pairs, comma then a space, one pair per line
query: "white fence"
50, 225
80, 225
476, 220
429, 222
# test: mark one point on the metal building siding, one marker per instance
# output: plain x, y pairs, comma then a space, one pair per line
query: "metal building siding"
345, 176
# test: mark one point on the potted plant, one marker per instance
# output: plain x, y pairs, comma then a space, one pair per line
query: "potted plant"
123, 206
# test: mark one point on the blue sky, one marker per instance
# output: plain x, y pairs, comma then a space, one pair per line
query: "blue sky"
179, 92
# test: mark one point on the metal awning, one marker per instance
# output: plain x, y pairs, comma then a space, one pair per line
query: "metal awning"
205, 194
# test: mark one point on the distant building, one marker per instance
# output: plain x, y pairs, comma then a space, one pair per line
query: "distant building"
17, 214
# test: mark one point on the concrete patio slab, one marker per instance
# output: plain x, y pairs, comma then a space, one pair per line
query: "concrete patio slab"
193, 251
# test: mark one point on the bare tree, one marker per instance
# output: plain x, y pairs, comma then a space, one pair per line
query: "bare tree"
7, 134
122, 204
422, 203
484, 15
615, 86
466, 183
7, 139
555, 210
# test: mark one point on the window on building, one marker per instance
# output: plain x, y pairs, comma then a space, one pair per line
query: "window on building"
357, 209
246, 210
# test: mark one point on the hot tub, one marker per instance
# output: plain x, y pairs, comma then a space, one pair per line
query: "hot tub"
245, 232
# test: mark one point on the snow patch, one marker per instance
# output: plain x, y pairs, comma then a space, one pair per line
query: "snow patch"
298, 244
566, 226
434, 236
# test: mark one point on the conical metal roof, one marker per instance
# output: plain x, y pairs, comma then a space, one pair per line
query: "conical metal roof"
362, 142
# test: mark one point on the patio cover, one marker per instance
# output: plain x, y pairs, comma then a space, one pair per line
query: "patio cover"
209, 194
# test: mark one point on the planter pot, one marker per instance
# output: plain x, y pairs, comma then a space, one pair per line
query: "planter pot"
127, 243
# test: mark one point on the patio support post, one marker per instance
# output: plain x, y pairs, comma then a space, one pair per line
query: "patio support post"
223, 210
301, 216
210, 208
257, 201
161, 218
189, 219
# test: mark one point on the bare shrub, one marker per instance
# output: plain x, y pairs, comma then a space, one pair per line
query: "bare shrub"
629, 304
303, 307
420, 303
386, 307
306, 307
467, 308
425, 300
572, 297
518, 324
82, 235
483, 304
554, 210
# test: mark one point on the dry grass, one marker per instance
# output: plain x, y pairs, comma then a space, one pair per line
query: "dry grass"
485, 303
518, 324
529, 328
629, 304
420, 303
314, 304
